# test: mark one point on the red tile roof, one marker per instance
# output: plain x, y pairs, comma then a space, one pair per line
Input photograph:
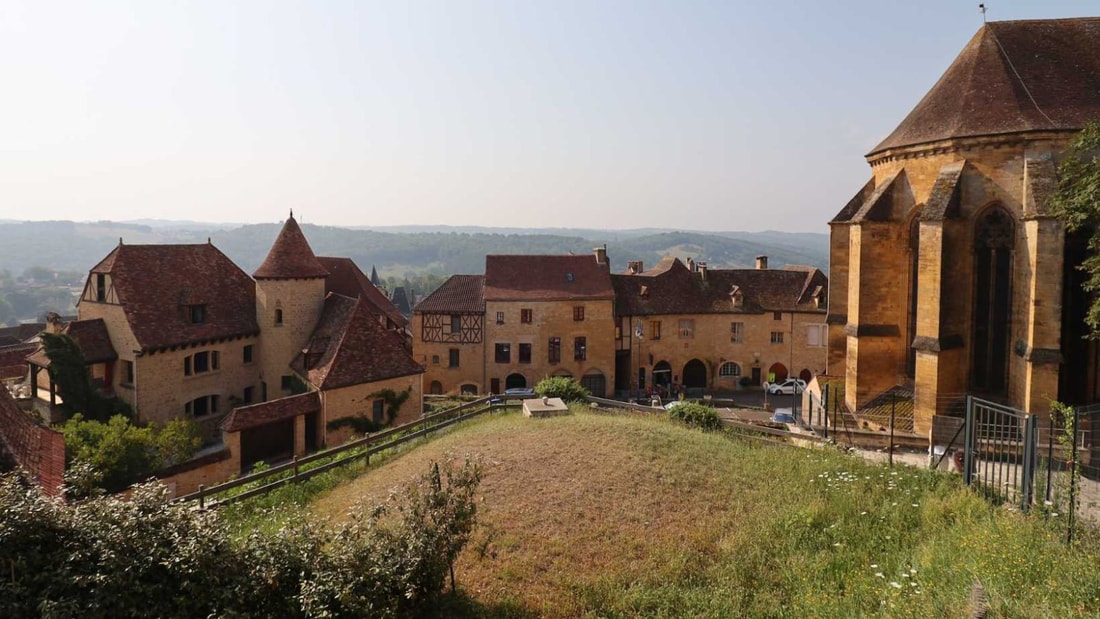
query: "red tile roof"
244, 417
460, 294
290, 256
92, 338
9, 336
345, 278
349, 347
671, 288
156, 284
988, 89
546, 278
13, 360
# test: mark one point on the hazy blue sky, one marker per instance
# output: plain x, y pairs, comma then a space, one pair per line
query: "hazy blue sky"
692, 115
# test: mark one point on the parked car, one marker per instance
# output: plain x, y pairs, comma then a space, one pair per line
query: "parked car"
789, 386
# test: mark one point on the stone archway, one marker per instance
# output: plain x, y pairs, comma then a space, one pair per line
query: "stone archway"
436, 388
806, 375
695, 375
777, 373
662, 374
515, 381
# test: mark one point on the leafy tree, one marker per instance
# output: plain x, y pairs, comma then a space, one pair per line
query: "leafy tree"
1077, 203
568, 389
70, 373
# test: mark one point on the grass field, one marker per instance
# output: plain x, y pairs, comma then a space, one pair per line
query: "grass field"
607, 515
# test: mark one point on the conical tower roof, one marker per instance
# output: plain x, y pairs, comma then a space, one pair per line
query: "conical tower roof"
1012, 77
290, 256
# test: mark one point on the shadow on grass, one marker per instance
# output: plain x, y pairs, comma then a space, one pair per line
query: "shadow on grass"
460, 605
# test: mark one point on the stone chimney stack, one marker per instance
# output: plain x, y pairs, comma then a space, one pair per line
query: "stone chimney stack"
761, 263
691, 265
702, 266
601, 254
635, 267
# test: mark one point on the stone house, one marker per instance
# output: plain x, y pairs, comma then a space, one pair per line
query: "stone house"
949, 274
180, 331
717, 329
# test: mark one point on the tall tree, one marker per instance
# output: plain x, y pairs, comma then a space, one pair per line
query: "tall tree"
1077, 203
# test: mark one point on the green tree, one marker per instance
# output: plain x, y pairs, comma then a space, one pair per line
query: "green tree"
1077, 204
70, 373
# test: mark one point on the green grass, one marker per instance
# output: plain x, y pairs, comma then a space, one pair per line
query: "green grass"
617, 515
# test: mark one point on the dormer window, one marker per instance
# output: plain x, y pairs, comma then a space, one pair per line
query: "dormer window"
197, 314
100, 287
737, 297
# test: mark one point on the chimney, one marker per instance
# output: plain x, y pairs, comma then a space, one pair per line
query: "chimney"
691, 265
702, 266
761, 263
601, 254
54, 323
635, 267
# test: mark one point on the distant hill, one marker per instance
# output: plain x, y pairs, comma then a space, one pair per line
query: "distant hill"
397, 252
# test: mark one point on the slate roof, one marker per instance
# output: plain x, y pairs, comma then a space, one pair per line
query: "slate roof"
349, 347
92, 338
980, 94
460, 294
671, 288
13, 360
245, 417
400, 300
345, 278
22, 333
155, 284
290, 256
546, 278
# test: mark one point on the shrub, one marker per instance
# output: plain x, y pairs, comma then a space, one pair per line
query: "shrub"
698, 415
562, 387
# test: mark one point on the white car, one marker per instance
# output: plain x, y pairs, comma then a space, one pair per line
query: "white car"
789, 386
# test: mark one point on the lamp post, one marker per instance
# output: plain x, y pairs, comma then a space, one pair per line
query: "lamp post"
638, 334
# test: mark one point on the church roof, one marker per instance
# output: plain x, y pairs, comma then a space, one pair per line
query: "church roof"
1012, 77
290, 256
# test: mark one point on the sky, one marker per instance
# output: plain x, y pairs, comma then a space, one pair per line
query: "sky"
701, 115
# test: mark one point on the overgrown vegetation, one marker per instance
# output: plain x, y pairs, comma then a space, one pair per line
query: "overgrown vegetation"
143, 557
70, 373
114, 455
1077, 203
568, 389
362, 424
696, 415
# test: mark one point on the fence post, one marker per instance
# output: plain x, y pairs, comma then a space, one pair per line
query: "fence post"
893, 408
1050, 459
202, 497
1031, 439
1073, 477
968, 456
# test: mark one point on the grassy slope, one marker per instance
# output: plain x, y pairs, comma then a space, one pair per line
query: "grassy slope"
609, 515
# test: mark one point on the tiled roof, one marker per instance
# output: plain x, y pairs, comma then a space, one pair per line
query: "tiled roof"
290, 256
13, 360
92, 338
988, 89
546, 278
400, 300
156, 284
345, 278
349, 347
244, 417
459, 294
20, 334
671, 288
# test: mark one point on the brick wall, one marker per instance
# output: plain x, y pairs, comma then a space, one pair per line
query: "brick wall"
39, 450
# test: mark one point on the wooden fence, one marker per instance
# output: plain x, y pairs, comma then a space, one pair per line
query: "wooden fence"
364, 448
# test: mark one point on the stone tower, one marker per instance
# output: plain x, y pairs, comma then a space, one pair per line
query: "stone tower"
290, 294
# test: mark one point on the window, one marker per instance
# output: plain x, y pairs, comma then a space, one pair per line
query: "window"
526, 316
435, 359
737, 332
554, 350
500, 318
525, 353
378, 411
452, 358
687, 329
200, 362
777, 315
100, 287
247, 354
503, 353
200, 407
580, 349
777, 337
578, 313
278, 317
655, 329
248, 394
456, 323
127, 372
816, 335
729, 368
198, 314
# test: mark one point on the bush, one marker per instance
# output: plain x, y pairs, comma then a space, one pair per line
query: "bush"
562, 387
697, 415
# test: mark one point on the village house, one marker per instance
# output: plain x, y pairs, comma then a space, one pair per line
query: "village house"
270, 363
531, 317
949, 274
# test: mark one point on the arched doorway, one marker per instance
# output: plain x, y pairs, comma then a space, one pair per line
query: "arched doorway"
695, 375
777, 373
805, 375
662, 375
515, 381
994, 239
595, 383
468, 389
436, 388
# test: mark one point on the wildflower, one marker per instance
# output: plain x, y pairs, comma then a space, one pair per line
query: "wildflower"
879, 575
895, 585
874, 565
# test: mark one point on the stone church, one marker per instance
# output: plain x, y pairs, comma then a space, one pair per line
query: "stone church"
949, 275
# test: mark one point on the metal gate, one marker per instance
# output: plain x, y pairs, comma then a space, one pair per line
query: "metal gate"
1001, 451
